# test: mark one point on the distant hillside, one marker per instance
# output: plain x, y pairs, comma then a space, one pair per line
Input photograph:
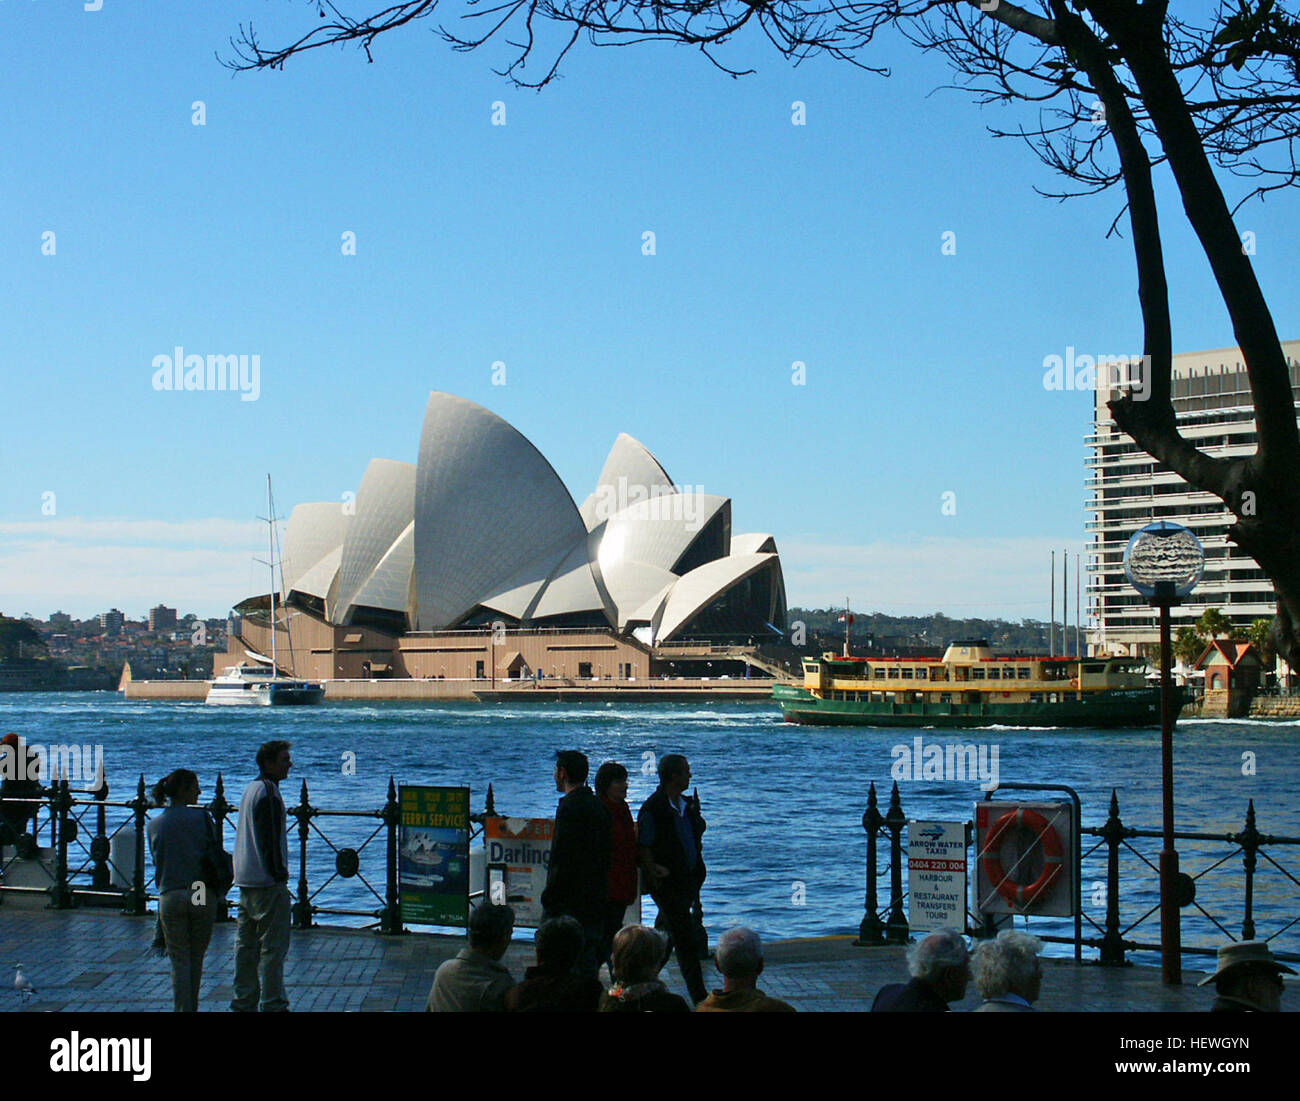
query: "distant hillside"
885, 632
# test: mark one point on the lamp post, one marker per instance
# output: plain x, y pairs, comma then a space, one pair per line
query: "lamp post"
1164, 562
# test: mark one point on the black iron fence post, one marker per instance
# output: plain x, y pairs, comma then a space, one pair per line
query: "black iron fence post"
390, 918
897, 929
65, 831
220, 810
1112, 943
872, 929
101, 878
1249, 841
135, 901
302, 908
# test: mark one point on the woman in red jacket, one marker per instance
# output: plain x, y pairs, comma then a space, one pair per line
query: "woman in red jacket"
611, 786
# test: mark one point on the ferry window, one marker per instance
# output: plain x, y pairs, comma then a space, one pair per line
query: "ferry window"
814, 668
1091, 668
937, 673
1022, 672
946, 697
977, 674
893, 672
1069, 697
995, 673
920, 673
907, 674
1035, 697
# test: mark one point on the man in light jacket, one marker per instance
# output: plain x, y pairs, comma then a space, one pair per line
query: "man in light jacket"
262, 876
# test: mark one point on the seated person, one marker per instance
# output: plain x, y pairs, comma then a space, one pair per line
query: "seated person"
639, 955
740, 959
551, 986
1008, 974
1248, 979
475, 980
940, 967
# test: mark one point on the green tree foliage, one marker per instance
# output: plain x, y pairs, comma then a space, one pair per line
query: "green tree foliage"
1188, 644
19, 640
1214, 624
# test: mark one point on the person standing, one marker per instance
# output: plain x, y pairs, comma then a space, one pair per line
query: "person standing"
181, 839
611, 787
262, 876
577, 881
669, 832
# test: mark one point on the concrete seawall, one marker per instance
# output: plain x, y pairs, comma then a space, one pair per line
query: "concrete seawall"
484, 690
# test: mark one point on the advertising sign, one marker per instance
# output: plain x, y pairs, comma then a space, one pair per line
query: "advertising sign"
936, 876
1025, 858
433, 854
518, 855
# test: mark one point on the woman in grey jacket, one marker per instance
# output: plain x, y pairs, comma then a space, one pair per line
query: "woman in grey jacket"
179, 839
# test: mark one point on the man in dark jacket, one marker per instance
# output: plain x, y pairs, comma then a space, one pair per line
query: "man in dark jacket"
940, 967
577, 881
669, 832
1248, 979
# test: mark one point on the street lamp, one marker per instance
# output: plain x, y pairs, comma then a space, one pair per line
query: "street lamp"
1164, 562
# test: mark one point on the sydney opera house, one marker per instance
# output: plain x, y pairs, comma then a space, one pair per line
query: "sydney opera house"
476, 562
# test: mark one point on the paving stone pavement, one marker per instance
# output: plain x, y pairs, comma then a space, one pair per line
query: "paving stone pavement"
89, 960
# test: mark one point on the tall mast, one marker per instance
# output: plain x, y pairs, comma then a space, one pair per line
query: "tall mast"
1051, 619
848, 619
1065, 604
270, 539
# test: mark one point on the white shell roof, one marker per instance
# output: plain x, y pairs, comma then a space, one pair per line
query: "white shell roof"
697, 588
656, 532
384, 507
315, 529
389, 584
753, 543
488, 508
630, 473
317, 580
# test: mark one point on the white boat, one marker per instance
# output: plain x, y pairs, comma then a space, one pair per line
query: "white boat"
259, 686
258, 683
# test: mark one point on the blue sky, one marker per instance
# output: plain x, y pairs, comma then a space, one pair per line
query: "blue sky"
521, 243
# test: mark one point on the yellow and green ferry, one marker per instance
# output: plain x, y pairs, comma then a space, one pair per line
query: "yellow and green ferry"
971, 686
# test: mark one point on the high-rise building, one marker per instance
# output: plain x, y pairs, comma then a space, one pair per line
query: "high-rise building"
162, 618
1130, 489
110, 622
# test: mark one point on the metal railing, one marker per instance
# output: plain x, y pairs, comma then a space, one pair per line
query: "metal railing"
1116, 843
85, 872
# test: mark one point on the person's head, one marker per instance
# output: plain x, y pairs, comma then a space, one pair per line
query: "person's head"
1248, 973
942, 961
674, 773
559, 943
490, 928
179, 788
570, 770
638, 955
739, 957
1009, 964
273, 760
611, 781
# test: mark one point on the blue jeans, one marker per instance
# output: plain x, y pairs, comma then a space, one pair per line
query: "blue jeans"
261, 944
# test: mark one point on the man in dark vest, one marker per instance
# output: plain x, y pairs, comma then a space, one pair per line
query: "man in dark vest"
669, 829
577, 880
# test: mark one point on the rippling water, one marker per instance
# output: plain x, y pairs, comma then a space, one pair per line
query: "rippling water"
784, 803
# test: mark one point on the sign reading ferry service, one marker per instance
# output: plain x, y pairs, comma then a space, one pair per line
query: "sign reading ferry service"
936, 876
433, 854
518, 857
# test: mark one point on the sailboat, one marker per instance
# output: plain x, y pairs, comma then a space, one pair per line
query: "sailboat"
257, 682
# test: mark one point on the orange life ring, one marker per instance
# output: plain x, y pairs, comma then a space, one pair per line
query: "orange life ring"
1053, 856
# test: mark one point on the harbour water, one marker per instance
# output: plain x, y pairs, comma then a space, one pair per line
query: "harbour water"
785, 844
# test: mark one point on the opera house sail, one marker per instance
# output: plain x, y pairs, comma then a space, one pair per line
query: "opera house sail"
480, 534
